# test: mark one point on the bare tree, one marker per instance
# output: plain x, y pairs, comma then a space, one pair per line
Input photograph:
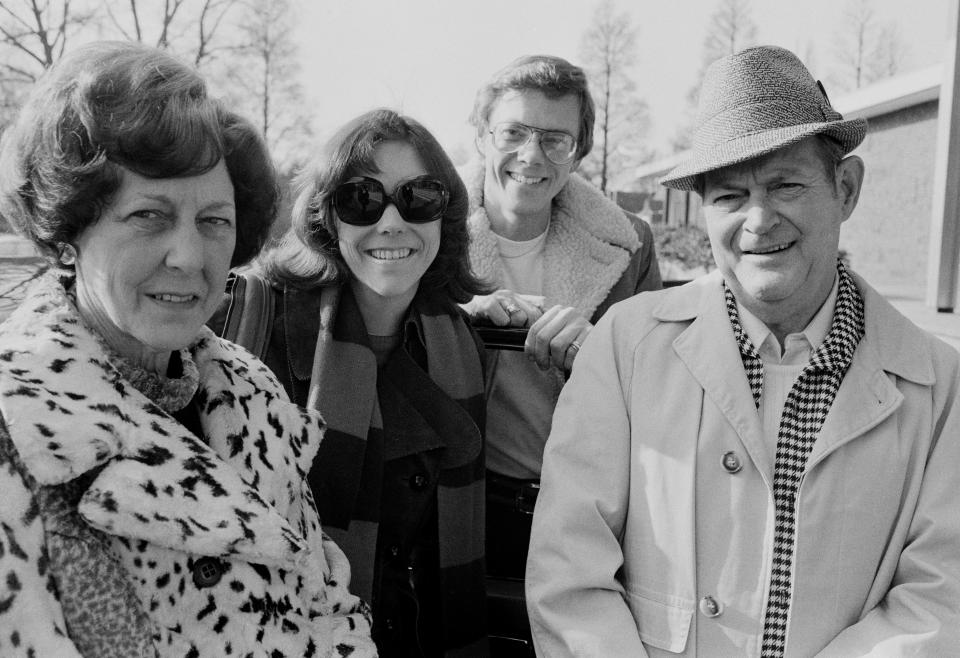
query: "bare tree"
169, 10
242, 46
261, 76
33, 35
859, 25
889, 53
608, 49
867, 49
191, 29
212, 15
730, 29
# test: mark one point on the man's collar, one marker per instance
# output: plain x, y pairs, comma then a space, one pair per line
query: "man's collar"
896, 345
814, 333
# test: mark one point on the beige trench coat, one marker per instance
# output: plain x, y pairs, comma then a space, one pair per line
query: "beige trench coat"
643, 514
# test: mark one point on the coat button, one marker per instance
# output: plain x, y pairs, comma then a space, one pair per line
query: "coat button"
731, 462
207, 572
710, 607
419, 482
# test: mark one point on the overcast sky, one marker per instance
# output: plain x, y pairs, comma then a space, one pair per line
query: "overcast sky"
427, 57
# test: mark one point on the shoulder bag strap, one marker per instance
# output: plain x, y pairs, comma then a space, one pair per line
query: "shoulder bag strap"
249, 316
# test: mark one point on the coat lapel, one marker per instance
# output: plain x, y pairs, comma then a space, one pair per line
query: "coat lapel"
708, 349
178, 494
69, 411
868, 395
865, 398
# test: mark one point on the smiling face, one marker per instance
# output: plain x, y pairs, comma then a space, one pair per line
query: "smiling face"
388, 259
774, 227
151, 270
519, 188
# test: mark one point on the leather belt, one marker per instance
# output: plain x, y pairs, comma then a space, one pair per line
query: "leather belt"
521, 495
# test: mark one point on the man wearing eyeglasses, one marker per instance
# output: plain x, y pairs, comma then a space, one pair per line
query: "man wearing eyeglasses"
559, 253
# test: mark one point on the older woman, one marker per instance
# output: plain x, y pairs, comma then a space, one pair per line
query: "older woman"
152, 475
366, 329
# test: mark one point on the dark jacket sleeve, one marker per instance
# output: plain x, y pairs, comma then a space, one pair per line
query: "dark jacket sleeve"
648, 277
642, 273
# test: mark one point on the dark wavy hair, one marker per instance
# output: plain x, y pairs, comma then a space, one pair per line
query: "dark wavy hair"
308, 255
555, 77
110, 106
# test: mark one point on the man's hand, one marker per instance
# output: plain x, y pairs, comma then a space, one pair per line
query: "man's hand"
555, 338
505, 308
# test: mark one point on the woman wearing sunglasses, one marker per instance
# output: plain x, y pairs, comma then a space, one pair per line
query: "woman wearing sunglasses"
366, 329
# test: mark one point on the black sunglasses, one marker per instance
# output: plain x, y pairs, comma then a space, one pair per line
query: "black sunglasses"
362, 202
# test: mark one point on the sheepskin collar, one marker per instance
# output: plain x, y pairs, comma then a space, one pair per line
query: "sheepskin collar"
69, 410
588, 247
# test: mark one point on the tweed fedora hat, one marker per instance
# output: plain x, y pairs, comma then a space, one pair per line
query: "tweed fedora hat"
755, 102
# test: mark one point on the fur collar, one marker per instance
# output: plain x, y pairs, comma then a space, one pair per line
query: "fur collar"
68, 411
588, 248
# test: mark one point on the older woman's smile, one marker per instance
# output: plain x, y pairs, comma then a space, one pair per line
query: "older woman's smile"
173, 298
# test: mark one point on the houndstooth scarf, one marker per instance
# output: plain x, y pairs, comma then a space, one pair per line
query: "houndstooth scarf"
803, 414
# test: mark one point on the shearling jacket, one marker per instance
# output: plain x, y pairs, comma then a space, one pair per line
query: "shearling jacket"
596, 254
167, 502
657, 493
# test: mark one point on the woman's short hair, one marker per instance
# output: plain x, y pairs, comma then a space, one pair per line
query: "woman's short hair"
555, 77
113, 105
308, 255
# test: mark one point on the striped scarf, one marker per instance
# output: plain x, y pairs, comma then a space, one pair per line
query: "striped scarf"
806, 407
348, 472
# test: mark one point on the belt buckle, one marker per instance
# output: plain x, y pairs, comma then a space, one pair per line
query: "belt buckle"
527, 497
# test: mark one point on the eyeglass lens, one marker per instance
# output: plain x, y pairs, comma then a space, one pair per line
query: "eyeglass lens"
558, 146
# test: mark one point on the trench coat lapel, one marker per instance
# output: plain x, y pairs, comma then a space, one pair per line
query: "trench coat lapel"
868, 395
865, 398
708, 349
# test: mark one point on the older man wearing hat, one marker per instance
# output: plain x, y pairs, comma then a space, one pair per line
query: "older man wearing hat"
762, 462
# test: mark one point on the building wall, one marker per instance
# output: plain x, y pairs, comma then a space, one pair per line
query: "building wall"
887, 237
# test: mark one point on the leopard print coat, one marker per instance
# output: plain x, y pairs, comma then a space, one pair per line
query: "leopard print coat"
165, 501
